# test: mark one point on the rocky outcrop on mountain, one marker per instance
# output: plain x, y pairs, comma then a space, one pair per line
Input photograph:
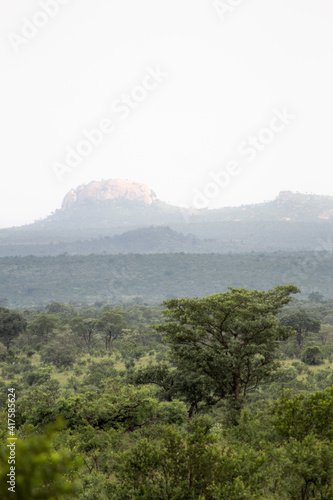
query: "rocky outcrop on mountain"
109, 190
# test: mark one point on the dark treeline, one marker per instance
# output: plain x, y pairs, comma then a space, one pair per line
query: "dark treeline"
37, 281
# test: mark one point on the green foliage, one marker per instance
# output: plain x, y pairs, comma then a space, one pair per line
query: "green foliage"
307, 469
3, 352
36, 281
36, 406
185, 465
299, 416
312, 356
99, 372
37, 377
61, 310
85, 329
169, 435
301, 323
43, 325
112, 323
231, 338
60, 352
117, 407
12, 324
195, 390
41, 472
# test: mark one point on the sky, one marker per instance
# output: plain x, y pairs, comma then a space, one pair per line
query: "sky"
210, 103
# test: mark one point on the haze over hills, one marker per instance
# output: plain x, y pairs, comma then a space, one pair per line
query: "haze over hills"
93, 248
147, 240
120, 216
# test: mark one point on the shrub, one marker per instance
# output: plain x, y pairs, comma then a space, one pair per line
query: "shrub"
312, 356
61, 356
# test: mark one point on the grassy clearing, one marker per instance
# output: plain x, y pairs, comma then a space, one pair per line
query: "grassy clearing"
314, 368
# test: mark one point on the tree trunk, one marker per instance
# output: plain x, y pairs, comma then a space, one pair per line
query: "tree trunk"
236, 388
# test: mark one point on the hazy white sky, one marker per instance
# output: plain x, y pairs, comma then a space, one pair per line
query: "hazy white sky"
217, 105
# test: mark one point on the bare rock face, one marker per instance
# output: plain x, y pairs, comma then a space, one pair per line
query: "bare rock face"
109, 190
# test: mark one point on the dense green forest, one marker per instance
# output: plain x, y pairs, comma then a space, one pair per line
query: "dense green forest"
225, 397
36, 281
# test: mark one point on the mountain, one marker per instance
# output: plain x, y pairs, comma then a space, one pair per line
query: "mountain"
119, 216
121, 203
108, 190
98, 209
287, 206
115, 241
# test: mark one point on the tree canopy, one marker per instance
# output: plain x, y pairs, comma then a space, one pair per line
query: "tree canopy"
302, 323
111, 323
12, 324
231, 338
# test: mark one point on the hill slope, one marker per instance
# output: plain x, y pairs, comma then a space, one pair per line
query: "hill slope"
91, 216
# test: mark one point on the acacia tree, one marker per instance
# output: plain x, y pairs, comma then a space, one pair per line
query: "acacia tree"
43, 325
111, 323
302, 324
231, 338
85, 330
12, 324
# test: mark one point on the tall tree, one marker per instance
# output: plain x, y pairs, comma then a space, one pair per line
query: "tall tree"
231, 338
12, 324
43, 324
111, 323
85, 329
302, 324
